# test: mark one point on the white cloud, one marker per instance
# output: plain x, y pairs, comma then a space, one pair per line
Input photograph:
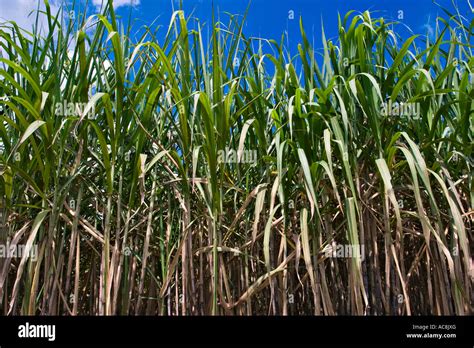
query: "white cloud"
429, 28
20, 11
117, 3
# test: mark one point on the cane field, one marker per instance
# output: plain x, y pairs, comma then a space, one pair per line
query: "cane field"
191, 169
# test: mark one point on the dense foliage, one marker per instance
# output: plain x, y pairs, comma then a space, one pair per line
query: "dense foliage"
116, 166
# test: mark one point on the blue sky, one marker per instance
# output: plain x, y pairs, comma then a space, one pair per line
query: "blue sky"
267, 18
271, 18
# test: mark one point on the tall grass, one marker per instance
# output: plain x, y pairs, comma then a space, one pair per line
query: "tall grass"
133, 210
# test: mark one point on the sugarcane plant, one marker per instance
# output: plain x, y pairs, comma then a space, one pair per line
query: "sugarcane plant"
186, 174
